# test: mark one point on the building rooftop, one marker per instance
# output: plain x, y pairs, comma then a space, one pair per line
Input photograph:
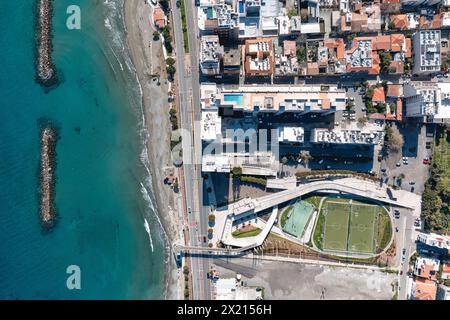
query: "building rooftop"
394, 90
291, 134
427, 48
226, 289
426, 268
259, 57
424, 290
211, 53
211, 125
378, 95
159, 18
217, 15
363, 56
289, 98
369, 134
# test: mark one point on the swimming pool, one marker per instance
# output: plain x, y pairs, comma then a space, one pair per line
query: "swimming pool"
238, 99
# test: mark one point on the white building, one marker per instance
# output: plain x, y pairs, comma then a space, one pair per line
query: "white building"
445, 270
435, 240
291, 134
211, 126
370, 134
226, 289
442, 114
427, 51
300, 99
231, 289
426, 267
422, 99
218, 15
211, 53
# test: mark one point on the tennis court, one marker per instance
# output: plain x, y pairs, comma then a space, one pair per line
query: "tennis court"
298, 218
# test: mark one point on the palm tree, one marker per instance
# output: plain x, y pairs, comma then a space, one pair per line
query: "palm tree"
305, 156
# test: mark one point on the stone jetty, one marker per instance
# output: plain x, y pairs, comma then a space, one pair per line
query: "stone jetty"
49, 138
45, 69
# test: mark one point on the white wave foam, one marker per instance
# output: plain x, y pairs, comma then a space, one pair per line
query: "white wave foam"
147, 228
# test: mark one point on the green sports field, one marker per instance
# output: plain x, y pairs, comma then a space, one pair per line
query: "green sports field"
350, 226
298, 218
336, 226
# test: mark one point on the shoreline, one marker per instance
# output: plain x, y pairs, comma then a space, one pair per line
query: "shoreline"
154, 107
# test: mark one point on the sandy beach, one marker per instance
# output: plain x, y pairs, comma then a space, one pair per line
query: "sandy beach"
148, 59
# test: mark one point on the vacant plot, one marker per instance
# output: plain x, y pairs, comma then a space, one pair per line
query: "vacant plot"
353, 226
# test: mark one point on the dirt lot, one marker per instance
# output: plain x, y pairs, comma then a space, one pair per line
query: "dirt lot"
283, 280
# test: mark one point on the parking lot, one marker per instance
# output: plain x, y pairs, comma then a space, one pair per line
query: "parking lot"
414, 151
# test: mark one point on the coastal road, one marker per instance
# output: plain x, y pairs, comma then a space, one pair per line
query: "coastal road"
408, 241
190, 113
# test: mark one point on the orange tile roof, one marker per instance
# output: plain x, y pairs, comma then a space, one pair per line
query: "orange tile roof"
399, 111
397, 42
378, 95
159, 18
446, 268
408, 52
393, 90
313, 68
423, 23
400, 21
289, 48
337, 44
381, 43
436, 23
393, 42
397, 67
426, 272
425, 290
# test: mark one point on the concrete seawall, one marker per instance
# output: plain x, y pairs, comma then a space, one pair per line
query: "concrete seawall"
45, 69
47, 170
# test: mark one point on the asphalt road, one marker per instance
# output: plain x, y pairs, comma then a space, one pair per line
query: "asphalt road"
405, 241
189, 95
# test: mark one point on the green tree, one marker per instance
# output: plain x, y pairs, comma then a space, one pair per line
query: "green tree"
301, 54
385, 61
362, 120
393, 139
237, 172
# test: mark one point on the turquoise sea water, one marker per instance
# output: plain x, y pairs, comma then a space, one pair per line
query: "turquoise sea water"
102, 192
